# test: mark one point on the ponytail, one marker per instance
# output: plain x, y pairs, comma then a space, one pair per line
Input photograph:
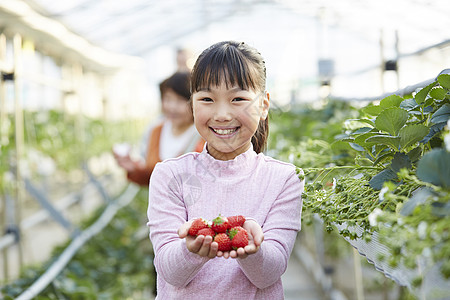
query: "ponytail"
259, 139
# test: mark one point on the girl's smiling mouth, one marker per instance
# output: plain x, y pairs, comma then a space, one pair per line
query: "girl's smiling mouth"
224, 132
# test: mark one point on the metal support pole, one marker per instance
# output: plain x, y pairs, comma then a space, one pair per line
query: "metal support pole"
358, 275
3, 141
79, 122
397, 58
383, 61
48, 206
3, 113
19, 136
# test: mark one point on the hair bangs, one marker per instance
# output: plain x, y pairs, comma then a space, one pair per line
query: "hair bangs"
225, 65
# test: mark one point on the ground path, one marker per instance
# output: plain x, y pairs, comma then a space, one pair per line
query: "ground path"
298, 283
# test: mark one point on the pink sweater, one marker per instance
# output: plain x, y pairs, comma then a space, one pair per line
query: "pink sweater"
197, 185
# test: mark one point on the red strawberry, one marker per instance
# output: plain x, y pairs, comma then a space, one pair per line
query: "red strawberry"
224, 241
197, 224
232, 232
239, 237
206, 231
236, 221
220, 224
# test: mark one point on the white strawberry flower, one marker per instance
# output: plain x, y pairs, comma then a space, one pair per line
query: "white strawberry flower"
291, 158
422, 230
383, 191
374, 215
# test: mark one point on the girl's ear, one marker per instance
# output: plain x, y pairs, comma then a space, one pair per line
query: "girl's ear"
265, 105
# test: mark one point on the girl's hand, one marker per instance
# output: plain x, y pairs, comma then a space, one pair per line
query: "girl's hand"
255, 238
201, 245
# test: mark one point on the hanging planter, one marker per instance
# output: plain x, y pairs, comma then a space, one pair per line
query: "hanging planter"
424, 279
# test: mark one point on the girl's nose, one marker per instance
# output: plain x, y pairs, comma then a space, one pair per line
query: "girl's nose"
223, 114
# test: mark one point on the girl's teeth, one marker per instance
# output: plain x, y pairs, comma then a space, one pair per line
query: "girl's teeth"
224, 131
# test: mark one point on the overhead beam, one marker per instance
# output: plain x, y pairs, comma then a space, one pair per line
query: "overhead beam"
56, 40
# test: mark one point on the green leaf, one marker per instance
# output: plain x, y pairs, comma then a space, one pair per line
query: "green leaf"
341, 136
442, 114
356, 147
422, 94
391, 101
353, 124
361, 139
391, 141
378, 180
391, 120
411, 134
380, 148
400, 161
409, 104
340, 145
434, 129
440, 209
419, 197
367, 121
362, 161
444, 80
347, 139
438, 93
428, 107
382, 158
373, 110
414, 154
362, 130
434, 167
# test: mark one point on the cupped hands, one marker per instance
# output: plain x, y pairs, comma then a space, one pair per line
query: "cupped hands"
205, 246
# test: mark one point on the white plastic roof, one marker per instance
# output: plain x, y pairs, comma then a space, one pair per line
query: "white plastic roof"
291, 34
136, 27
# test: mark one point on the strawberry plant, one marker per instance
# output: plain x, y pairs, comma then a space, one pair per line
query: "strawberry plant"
52, 136
388, 172
115, 264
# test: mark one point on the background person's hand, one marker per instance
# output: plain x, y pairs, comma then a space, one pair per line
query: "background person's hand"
125, 162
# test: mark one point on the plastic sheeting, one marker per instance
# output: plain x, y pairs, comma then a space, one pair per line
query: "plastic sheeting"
434, 286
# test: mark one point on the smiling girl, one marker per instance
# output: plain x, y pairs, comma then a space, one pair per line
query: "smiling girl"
231, 176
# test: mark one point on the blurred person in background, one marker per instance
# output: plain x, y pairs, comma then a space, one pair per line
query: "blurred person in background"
173, 135
182, 59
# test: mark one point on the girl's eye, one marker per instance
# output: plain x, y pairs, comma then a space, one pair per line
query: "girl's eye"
237, 99
206, 99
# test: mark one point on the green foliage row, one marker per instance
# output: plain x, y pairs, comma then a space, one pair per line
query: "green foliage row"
67, 140
115, 264
386, 170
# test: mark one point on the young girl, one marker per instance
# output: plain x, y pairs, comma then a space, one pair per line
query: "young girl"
230, 177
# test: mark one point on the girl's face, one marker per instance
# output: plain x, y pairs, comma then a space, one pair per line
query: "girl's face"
176, 109
227, 118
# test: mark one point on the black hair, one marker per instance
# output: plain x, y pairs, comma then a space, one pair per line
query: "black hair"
179, 82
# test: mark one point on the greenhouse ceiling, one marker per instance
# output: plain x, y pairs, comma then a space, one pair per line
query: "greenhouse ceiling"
293, 35
136, 27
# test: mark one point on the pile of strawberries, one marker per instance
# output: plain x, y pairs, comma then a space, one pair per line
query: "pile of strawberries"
226, 231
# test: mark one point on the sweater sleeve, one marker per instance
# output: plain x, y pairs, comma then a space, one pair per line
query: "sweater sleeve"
280, 229
166, 213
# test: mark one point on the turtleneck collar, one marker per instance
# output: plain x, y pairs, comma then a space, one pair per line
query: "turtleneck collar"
241, 164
